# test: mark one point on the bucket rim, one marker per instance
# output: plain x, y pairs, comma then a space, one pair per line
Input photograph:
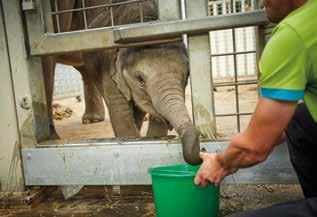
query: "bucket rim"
165, 172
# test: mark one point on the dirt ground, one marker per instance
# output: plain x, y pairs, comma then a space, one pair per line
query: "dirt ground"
72, 128
137, 201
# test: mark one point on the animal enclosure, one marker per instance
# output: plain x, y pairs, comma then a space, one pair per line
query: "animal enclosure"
122, 161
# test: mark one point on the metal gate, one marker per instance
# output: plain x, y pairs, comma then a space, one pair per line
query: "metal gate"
117, 161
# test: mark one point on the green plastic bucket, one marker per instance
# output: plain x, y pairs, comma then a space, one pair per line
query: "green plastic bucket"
176, 195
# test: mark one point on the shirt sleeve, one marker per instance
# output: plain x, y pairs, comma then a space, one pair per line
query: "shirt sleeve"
283, 66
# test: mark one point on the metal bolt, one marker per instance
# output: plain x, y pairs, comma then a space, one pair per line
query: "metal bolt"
28, 156
25, 103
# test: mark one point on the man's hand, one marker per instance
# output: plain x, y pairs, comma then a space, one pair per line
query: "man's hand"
251, 147
211, 171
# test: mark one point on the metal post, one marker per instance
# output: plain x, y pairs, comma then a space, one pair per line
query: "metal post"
11, 178
27, 77
260, 44
47, 17
201, 73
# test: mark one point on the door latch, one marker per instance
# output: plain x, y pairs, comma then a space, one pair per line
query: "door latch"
28, 5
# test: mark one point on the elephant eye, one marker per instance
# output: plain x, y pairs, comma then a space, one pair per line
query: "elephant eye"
139, 77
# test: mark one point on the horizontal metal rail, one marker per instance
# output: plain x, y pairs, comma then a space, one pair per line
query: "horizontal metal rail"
126, 163
233, 114
84, 40
241, 83
140, 34
98, 6
143, 32
232, 53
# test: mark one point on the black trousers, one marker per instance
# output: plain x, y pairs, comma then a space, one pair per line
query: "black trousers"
301, 137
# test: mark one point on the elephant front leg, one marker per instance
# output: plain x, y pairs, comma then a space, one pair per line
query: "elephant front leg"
94, 107
120, 110
156, 128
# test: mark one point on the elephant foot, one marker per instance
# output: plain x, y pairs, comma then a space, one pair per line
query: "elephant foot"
92, 118
54, 136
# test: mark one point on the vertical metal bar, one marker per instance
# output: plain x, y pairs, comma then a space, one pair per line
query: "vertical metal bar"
260, 44
236, 79
46, 11
111, 14
201, 74
57, 17
242, 5
252, 4
141, 11
84, 13
11, 176
27, 76
256, 4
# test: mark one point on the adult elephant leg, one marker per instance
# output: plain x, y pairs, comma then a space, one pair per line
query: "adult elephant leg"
156, 128
48, 64
94, 107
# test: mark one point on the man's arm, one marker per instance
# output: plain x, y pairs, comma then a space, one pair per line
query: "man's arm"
251, 147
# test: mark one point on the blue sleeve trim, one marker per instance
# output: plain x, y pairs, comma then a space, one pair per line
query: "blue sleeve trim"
284, 95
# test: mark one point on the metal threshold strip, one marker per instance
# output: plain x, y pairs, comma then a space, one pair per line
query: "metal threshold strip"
126, 163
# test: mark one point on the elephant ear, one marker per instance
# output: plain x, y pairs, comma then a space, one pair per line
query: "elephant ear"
118, 70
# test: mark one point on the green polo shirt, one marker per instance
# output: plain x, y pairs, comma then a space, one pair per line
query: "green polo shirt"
288, 66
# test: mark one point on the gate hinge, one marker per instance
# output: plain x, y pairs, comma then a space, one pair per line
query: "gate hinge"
28, 5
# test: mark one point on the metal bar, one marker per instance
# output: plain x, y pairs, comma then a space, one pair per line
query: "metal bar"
11, 176
86, 40
233, 53
111, 14
233, 114
48, 19
84, 13
27, 76
57, 17
97, 6
201, 74
151, 31
141, 12
127, 164
260, 44
236, 90
240, 83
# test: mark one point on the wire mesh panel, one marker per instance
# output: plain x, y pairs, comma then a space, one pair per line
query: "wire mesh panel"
234, 68
99, 13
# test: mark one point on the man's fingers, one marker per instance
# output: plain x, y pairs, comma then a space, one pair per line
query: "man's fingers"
204, 183
203, 155
198, 180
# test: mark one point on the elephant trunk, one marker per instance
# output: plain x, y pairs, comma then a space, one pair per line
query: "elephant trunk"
169, 101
